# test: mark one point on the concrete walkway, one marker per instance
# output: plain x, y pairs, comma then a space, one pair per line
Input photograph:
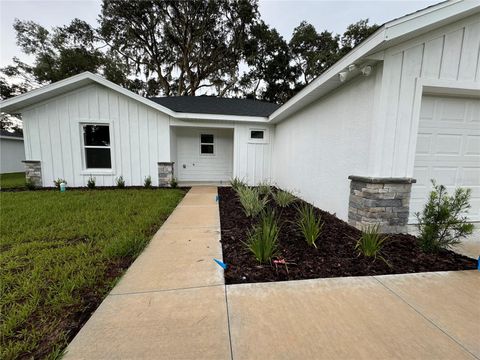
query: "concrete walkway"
172, 304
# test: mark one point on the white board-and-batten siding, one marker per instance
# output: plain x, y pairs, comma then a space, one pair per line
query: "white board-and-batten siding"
139, 136
448, 56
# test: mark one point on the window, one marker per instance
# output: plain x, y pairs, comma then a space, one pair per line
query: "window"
257, 134
96, 141
207, 144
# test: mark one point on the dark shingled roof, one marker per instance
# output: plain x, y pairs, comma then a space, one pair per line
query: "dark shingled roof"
216, 105
11, 134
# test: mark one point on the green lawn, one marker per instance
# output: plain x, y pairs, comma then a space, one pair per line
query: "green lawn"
12, 180
60, 255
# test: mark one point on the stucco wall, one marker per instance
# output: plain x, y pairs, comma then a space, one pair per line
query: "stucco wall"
12, 153
139, 136
317, 148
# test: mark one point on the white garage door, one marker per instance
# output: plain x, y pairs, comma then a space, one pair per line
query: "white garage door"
204, 154
448, 149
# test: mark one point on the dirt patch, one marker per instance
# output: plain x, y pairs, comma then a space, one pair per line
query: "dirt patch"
335, 256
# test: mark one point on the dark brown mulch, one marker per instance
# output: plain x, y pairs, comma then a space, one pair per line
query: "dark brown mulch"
335, 256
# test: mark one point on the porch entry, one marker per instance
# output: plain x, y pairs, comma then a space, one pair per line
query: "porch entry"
203, 154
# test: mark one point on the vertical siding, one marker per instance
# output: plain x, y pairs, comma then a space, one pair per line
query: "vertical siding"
450, 54
139, 136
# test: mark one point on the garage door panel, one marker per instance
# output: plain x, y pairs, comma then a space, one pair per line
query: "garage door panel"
448, 149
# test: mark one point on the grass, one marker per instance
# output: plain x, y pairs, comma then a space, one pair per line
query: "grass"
12, 180
60, 255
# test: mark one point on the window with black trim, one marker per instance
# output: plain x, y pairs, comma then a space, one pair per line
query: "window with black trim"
207, 144
257, 134
96, 143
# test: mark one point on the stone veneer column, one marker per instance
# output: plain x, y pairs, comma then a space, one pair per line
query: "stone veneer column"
382, 201
33, 172
165, 174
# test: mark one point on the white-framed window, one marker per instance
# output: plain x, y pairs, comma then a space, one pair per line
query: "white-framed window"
96, 146
258, 135
207, 144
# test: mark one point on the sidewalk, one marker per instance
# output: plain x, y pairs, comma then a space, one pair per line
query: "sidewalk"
171, 302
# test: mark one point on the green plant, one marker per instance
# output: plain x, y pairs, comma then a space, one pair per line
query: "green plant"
29, 184
442, 222
251, 201
120, 182
264, 188
283, 198
91, 183
58, 182
237, 183
147, 183
262, 240
371, 242
309, 224
173, 183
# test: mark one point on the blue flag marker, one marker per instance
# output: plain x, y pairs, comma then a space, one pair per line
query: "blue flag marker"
222, 264
217, 198
478, 263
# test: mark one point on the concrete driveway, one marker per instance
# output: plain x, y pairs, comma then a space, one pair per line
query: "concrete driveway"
172, 304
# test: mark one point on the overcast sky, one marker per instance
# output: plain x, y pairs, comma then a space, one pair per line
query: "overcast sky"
284, 15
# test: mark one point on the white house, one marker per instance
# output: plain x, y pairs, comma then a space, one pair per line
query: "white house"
403, 105
12, 152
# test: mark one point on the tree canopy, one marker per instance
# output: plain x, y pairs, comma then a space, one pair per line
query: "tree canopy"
167, 47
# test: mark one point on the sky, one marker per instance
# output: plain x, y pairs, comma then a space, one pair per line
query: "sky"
284, 15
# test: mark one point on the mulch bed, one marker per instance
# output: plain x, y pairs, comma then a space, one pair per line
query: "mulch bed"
335, 255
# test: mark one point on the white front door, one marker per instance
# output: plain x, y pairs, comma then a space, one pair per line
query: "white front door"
448, 149
204, 154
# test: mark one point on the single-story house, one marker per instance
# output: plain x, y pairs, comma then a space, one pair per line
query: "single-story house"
402, 106
12, 152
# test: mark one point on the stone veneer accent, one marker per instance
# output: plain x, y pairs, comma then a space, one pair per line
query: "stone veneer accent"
165, 174
33, 172
383, 201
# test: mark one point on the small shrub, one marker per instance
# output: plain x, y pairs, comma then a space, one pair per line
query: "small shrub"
441, 223
30, 185
237, 183
264, 188
310, 225
92, 182
147, 183
283, 198
120, 182
173, 183
371, 242
262, 240
251, 201
58, 182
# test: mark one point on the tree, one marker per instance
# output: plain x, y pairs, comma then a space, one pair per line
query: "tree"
271, 75
313, 52
180, 46
355, 34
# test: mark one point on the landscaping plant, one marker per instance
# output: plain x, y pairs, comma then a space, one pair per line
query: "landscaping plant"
309, 224
91, 183
147, 183
251, 201
262, 240
442, 222
58, 182
283, 198
120, 182
237, 183
371, 242
173, 183
264, 188
29, 184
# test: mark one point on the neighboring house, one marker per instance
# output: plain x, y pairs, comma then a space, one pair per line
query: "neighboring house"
12, 152
403, 105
